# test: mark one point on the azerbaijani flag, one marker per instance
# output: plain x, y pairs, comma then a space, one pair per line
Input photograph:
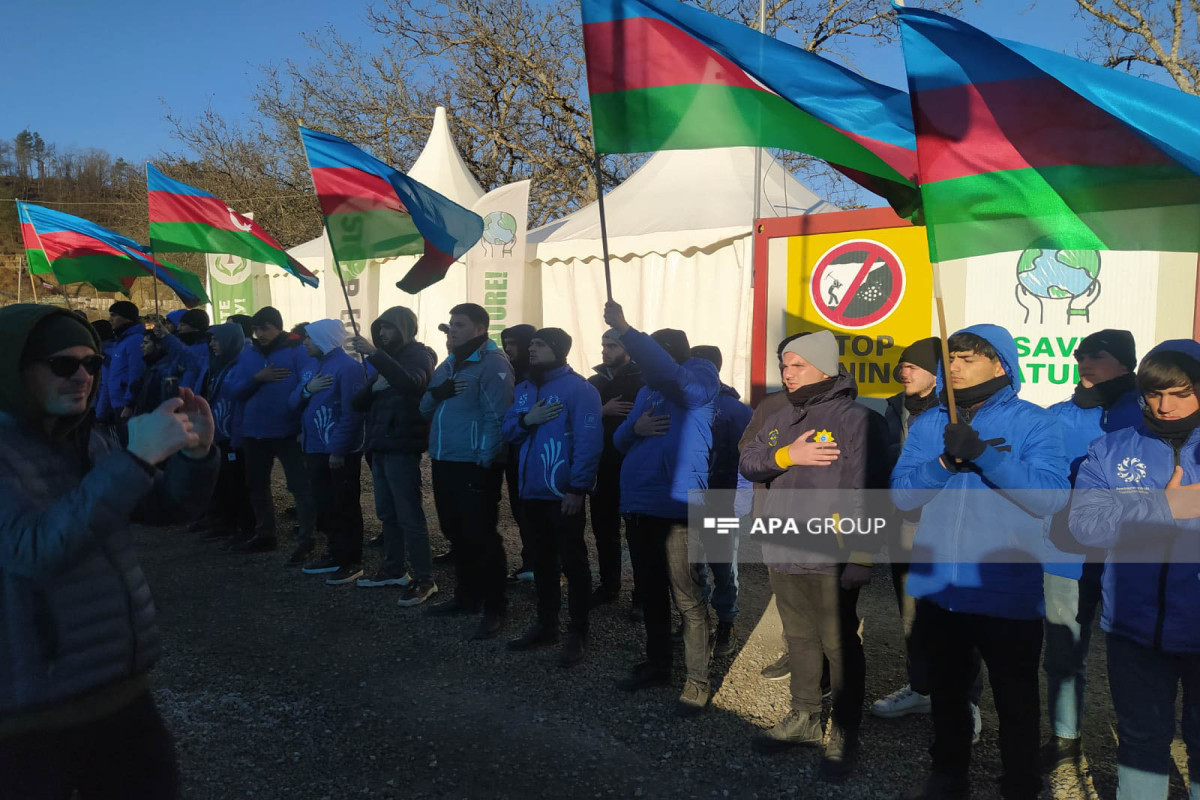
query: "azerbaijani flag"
664, 75
1020, 147
374, 211
35, 256
184, 219
79, 250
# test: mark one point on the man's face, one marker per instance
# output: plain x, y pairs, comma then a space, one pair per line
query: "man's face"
149, 346
969, 369
540, 354
612, 353
797, 372
214, 347
311, 348
60, 397
388, 335
185, 328
1174, 403
917, 382
265, 333
462, 330
1098, 367
512, 349
117, 321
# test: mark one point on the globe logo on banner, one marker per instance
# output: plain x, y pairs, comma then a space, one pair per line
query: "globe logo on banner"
499, 231
1071, 275
230, 270
857, 284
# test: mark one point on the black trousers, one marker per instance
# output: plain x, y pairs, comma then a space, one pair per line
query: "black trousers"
606, 524
127, 755
260, 455
559, 548
1011, 648
339, 510
512, 480
230, 507
821, 623
467, 498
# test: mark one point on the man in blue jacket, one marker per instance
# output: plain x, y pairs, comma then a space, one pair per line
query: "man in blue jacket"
987, 486
230, 509
127, 364
466, 401
264, 380
1136, 496
1105, 400
667, 440
331, 433
554, 421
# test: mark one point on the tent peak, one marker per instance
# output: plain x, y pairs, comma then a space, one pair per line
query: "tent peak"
442, 168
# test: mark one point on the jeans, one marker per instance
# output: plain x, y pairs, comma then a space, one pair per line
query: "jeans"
559, 548
398, 505
467, 498
336, 493
230, 506
821, 622
606, 524
659, 550
260, 458
126, 754
1144, 684
1070, 610
1011, 649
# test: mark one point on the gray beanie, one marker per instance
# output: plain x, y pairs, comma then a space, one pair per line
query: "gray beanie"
819, 349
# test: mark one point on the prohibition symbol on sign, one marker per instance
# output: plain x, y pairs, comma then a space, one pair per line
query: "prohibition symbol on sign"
857, 284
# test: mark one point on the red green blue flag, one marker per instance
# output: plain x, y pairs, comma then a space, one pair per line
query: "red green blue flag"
35, 256
374, 211
79, 250
1020, 147
664, 75
184, 219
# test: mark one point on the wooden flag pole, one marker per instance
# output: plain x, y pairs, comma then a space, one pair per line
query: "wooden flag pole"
32, 286
20, 269
944, 335
603, 221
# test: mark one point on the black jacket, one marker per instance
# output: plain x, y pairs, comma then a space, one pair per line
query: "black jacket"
622, 383
394, 421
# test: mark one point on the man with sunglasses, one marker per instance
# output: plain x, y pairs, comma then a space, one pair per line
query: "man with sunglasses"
77, 620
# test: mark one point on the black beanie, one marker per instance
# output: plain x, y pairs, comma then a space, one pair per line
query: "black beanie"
197, 318
708, 352
57, 332
126, 309
558, 340
243, 321
1117, 343
675, 342
267, 315
521, 334
923, 353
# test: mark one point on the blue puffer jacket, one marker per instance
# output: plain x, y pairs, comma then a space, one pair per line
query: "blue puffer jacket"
1081, 427
983, 530
127, 366
189, 360
729, 423
466, 427
218, 389
562, 455
266, 413
1152, 571
329, 423
658, 471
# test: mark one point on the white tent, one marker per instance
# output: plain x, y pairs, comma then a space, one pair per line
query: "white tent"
679, 236
441, 168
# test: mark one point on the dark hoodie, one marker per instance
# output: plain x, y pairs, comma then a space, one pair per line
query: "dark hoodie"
76, 606
622, 383
522, 335
392, 402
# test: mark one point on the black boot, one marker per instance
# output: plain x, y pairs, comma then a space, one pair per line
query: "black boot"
725, 643
538, 635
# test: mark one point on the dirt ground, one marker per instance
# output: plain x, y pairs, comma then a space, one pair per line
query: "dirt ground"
277, 686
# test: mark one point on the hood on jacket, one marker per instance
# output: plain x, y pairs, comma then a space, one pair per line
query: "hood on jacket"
16, 323
175, 317
400, 318
1006, 348
327, 334
232, 339
1187, 347
522, 335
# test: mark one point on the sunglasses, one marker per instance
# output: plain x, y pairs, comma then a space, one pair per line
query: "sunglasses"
67, 366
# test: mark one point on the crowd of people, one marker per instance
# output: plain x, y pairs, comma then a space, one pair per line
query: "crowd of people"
132, 420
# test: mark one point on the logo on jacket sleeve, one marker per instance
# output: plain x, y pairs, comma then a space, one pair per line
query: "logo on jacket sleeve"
773, 437
1131, 470
822, 436
589, 420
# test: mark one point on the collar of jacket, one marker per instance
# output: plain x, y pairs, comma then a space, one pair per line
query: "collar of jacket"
487, 346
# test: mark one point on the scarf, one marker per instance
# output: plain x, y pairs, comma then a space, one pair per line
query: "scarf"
806, 394
537, 372
465, 351
1104, 395
975, 395
917, 405
193, 337
1172, 431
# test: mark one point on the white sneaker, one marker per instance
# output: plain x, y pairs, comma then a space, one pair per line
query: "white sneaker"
976, 724
900, 703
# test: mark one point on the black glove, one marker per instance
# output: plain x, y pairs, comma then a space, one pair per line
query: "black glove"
963, 442
444, 390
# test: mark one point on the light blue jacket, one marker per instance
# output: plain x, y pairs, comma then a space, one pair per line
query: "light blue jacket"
466, 427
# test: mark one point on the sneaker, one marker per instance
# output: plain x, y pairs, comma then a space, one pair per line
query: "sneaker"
573, 649
445, 558
603, 595
321, 565
693, 700
796, 729
644, 676
491, 625
385, 577
939, 787
416, 593
375, 541
779, 670
1059, 752
453, 608
344, 575
538, 635
976, 724
901, 702
841, 751
521, 575
726, 642
302, 554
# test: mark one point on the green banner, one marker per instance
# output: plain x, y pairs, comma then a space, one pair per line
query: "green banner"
230, 288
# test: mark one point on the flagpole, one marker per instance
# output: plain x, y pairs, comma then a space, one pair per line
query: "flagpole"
603, 221
32, 286
20, 270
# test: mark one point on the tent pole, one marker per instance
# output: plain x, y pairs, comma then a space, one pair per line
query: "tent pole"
603, 223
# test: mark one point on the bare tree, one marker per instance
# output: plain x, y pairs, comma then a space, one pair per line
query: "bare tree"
1141, 34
